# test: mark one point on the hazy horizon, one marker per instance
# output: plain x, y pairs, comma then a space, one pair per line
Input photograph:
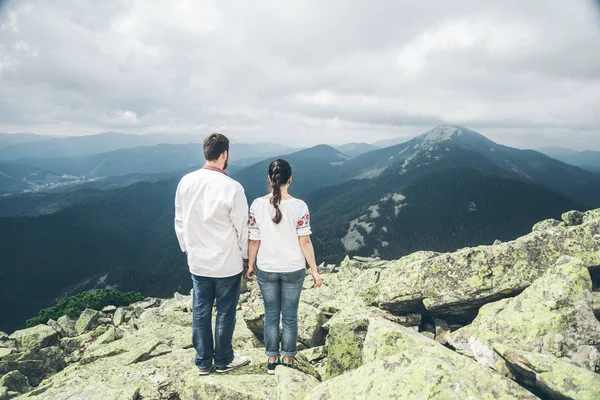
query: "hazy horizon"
526, 75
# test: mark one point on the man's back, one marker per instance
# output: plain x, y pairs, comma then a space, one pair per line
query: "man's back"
211, 214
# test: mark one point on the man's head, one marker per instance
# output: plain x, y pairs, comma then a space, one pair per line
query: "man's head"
216, 149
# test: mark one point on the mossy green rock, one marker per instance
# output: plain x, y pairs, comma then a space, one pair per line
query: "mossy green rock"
15, 381
461, 282
545, 225
417, 374
557, 378
347, 331
37, 337
87, 320
293, 384
553, 316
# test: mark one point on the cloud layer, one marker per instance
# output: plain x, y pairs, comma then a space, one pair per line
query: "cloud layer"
523, 73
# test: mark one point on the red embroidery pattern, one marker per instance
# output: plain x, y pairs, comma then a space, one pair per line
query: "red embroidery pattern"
305, 221
251, 221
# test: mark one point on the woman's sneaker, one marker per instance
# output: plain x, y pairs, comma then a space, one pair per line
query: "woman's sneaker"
205, 371
271, 365
238, 361
289, 365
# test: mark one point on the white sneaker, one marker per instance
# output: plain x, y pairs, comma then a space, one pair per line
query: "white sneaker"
238, 361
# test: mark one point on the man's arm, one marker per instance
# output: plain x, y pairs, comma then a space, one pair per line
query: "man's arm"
179, 220
239, 218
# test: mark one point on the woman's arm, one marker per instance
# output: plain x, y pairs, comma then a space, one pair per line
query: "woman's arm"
309, 253
253, 246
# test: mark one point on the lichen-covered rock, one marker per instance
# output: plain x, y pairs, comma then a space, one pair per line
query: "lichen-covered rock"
293, 384
5, 351
37, 337
346, 335
459, 283
310, 323
87, 320
15, 381
557, 378
442, 331
3, 393
554, 316
67, 325
572, 218
70, 344
35, 363
591, 214
425, 371
596, 304
545, 225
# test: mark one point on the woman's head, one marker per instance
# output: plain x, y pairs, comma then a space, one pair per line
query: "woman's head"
280, 174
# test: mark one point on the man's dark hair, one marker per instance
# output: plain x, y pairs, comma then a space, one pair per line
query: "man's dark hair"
215, 145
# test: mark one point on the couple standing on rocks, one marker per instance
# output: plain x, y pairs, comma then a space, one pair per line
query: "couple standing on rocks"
224, 240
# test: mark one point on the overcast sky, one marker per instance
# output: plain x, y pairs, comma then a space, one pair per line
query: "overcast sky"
524, 73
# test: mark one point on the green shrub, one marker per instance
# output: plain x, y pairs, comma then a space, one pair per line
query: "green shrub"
74, 305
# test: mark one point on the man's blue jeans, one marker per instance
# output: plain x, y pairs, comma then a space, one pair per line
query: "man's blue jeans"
281, 295
227, 293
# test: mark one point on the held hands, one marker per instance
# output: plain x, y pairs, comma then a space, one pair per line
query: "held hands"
316, 278
250, 272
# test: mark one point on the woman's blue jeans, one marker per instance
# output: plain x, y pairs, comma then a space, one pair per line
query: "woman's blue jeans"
281, 295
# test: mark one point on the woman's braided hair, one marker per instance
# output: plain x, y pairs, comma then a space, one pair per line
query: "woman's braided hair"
280, 172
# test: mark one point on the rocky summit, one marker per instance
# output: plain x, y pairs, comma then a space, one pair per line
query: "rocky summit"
513, 320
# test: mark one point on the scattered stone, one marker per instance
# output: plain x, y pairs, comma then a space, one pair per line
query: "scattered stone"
497, 242
314, 354
119, 316
149, 302
591, 214
596, 304
442, 330
429, 335
310, 323
67, 324
144, 352
37, 337
555, 377
87, 321
4, 351
545, 225
35, 363
104, 321
15, 381
572, 218
4, 393
293, 384
54, 325
109, 309
70, 344
553, 316
100, 330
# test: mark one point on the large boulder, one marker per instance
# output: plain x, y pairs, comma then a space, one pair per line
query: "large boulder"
553, 316
555, 377
422, 368
457, 284
573, 218
293, 384
88, 320
37, 337
36, 364
15, 381
546, 224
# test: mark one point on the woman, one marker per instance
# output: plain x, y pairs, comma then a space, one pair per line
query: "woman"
280, 236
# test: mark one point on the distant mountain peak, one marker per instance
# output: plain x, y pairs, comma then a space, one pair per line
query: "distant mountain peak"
455, 133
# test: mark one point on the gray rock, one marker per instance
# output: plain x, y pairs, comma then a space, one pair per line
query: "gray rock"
5, 351
458, 284
37, 337
105, 321
149, 302
119, 316
555, 377
572, 218
293, 384
4, 393
54, 325
68, 325
442, 331
596, 304
109, 309
87, 321
15, 381
553, 316
35, 364
545, 225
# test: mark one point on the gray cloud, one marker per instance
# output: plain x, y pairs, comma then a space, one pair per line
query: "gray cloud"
523, 73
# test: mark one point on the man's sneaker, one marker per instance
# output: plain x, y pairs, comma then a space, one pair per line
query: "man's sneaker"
205, 371
238, 361
271, 365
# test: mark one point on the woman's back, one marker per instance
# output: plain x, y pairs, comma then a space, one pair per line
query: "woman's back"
279, 247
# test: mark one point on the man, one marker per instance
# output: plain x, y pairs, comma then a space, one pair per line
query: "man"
211, 218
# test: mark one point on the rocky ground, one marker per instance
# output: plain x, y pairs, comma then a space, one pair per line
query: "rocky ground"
516, 320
